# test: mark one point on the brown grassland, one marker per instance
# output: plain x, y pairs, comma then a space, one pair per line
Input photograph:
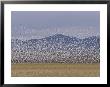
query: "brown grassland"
55, 70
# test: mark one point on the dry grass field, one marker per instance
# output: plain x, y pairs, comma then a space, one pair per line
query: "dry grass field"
55, 70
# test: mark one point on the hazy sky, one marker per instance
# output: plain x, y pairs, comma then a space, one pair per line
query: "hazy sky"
39, 24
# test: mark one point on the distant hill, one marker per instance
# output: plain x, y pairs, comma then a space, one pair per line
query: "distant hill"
56, 49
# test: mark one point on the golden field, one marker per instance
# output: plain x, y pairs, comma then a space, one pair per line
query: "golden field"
55, 70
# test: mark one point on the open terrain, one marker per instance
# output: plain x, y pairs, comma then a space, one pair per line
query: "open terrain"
55, 70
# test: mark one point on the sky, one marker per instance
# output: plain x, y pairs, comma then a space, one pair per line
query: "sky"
40, 24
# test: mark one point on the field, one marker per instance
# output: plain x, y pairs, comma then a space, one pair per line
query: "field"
55, 70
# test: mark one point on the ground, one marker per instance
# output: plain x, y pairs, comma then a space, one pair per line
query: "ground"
55, 70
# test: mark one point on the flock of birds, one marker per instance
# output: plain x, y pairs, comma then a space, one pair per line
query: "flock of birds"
56, 49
